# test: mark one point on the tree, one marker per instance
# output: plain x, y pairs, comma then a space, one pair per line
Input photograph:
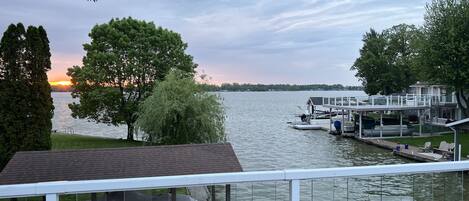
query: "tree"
123, 60
445, 51
180, 112
25, 101
387, 60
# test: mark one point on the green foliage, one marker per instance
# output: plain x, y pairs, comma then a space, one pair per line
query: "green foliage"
179, 112
123, 60
387, 60
26, 105
445, 51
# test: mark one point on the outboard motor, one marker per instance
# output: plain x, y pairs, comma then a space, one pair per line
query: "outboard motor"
338, 126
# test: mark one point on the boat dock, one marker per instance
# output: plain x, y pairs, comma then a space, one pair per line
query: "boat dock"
361, 106
412, 152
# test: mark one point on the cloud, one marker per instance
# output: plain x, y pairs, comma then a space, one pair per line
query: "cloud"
263, 41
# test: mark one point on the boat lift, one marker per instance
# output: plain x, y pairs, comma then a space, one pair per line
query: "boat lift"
381, 104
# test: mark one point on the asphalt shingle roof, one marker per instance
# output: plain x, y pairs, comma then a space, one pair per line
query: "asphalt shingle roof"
115, 163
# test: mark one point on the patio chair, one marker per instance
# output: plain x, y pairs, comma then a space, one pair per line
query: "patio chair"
427, 147
451, 147
443, 146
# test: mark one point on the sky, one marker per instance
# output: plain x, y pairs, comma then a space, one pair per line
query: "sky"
243, 41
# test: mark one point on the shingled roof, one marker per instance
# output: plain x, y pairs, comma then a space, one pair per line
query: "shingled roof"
115, 163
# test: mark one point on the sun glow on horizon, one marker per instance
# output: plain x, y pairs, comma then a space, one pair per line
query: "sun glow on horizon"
60, 83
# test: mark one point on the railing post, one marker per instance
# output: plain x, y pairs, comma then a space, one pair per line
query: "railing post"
342, 101
52, 197
295, 190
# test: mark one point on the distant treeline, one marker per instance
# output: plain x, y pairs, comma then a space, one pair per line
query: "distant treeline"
257, 87
61, 88
278, 87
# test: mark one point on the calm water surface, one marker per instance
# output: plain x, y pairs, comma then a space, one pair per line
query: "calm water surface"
256, 127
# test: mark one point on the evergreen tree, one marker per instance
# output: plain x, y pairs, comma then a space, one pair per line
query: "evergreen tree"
38, 57
25, 100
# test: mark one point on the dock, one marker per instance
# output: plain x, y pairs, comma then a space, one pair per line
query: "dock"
354, 110
412, 152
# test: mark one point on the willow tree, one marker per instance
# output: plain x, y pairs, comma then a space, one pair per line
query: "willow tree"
123, 60
445, 52
180, 112
25, 95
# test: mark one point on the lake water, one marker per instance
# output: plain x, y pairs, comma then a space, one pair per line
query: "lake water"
256, 127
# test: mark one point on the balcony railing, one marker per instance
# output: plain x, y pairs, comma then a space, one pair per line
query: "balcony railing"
300, 183
405, 100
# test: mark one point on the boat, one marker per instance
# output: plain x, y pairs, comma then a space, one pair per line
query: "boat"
305, 123
388, 131
306, 126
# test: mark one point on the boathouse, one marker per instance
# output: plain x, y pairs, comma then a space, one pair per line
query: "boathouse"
33, 167
420, 109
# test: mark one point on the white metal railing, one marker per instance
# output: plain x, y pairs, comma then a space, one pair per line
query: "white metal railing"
375, 100
52, 190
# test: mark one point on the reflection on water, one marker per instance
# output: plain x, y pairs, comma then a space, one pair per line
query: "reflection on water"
64, 122
256, 127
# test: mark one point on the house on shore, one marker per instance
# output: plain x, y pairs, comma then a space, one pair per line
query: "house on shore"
443, 100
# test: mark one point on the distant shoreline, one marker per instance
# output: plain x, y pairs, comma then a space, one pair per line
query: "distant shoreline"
234, 87
251, 91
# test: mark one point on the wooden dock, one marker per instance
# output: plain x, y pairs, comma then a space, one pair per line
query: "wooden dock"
412, 152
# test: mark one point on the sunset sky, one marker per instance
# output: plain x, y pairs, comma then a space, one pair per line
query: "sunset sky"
264, 41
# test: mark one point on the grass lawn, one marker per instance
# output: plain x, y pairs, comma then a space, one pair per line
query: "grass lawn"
69, 141
73, 141
435, 140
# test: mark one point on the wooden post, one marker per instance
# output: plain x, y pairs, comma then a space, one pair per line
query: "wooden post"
173, 194
228, 192
330, 120
456, 145
213, 193
381, 125
420, 122
360, 125
400, 115
343, 122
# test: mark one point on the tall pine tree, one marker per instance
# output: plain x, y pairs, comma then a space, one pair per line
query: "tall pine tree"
25, 96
